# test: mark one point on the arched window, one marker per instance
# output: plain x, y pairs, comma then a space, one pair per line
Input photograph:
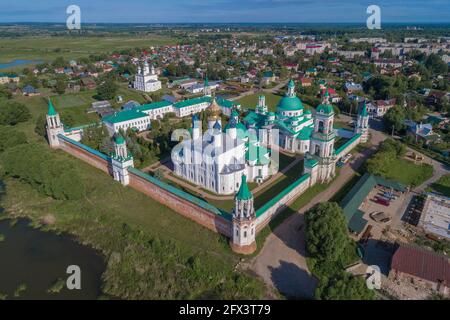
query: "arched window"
317, 150
321, 128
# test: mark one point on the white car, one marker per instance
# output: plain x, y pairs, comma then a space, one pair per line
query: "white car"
346, 158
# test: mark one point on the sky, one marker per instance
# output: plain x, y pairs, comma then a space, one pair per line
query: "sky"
222, 11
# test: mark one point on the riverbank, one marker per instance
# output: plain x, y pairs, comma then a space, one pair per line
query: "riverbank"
150, 252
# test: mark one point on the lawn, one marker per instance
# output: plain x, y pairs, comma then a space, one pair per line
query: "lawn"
442, 185
408, 173
251, 101
47, 48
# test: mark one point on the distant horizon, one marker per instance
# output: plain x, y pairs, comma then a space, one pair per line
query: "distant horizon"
225, 11
413, 23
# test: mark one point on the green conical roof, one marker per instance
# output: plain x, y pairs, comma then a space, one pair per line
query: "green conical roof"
244, 192
51, 109
206, 81
363, 110
291, 84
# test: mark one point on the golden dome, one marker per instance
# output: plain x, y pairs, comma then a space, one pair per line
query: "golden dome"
214, 109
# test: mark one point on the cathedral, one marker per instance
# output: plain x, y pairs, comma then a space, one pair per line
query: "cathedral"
218, 158
146, 79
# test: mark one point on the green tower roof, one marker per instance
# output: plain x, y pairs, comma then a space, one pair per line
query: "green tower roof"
244, 192
206, 81
363, 110
325, 108
290, 104
119, 139
51, 109
291, 84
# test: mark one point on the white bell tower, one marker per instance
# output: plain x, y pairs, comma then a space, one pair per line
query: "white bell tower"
54, 125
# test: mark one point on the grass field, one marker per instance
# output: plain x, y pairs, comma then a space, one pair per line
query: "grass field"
49, 48
443, 185
408, 173
251, 101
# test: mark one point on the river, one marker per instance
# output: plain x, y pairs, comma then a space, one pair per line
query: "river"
17, 63
36, 260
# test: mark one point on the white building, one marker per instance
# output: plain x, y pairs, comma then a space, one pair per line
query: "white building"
217, 160
146, 80
436, 216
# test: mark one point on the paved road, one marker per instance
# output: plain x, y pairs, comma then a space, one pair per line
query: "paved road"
281, 262
250, 92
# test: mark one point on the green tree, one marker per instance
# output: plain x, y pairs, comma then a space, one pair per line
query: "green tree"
326, 232
394, 119
107, 89
10, 137
12, 113
344, 286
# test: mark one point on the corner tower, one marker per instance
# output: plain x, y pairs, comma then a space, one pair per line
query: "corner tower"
244, 221
54, 125
121, 161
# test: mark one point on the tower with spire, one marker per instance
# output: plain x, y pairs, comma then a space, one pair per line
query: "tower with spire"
206, 88
121, 160
214, 113
244, 220
261, 108
320, 162
362, 123
54, 125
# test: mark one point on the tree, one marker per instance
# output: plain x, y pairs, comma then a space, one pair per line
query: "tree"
435, 64
344, 286
326, 232
394, 119
107, 89
10, 137
12, 113
61, 85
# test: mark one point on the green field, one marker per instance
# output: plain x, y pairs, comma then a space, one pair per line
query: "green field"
251, 101
408, 173
443, 185
48, 48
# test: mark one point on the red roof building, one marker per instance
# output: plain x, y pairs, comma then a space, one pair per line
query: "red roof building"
422, 266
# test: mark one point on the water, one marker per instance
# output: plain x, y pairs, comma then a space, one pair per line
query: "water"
18, 62
38, 259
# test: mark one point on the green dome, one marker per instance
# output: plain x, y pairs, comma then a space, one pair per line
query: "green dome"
308, 111
290, 104
119, 139
325, 109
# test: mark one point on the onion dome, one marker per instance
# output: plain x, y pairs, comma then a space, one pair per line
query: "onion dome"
118, 139
214, 110
325, 109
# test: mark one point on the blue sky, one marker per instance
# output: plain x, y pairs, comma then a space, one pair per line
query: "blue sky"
157, 11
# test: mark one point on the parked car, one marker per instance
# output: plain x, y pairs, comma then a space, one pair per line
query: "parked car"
382, 201
380, 216
346, 158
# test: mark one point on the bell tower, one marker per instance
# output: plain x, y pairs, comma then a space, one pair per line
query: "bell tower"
244, 221
54, 125
322, 142
362, 123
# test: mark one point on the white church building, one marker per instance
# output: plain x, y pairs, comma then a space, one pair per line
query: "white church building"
217, 160
146, 79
